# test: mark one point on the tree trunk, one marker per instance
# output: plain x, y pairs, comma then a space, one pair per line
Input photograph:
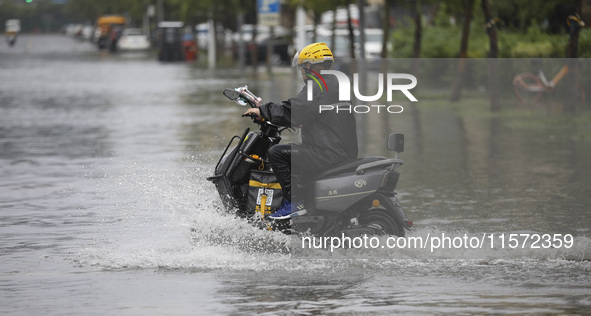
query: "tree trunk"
491, 30
333, 35
317, 16
386, 29
385, 41
493, 53
216, 41
572, 95
416, 51
434, 13
254, 49
457, 91
270, 51
351, 34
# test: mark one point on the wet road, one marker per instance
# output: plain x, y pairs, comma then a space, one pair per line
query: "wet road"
104, 207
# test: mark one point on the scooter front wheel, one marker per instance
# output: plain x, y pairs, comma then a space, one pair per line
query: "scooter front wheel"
383, 223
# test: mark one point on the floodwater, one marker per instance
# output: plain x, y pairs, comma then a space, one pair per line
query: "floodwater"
104, 206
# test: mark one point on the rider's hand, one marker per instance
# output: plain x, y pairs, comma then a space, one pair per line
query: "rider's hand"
255, 111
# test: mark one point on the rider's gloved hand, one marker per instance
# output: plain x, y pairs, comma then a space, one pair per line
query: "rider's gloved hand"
255, 111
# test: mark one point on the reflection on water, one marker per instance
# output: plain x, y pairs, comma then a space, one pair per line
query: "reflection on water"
104, 203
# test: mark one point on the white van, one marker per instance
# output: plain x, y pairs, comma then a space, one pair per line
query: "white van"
13, 25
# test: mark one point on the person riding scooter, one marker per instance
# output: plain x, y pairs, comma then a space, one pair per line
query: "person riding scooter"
328, 138
11, 38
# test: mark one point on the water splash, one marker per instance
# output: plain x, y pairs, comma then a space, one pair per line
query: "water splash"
157, 216
154, 216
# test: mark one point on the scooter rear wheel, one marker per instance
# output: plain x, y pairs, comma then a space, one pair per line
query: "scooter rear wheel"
383, 223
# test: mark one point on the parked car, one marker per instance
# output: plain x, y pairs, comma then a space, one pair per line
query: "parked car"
224, 36
73, 30
373, 43
282, 50
87, 32
133, 39
309, 29
342, 50
262, 33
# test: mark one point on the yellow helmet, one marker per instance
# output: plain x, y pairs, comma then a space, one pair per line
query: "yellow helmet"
314, 53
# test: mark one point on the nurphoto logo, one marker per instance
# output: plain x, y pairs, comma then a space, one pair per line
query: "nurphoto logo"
393, 84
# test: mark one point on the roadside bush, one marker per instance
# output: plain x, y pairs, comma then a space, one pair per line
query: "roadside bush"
444, 42
533, 44
528, 50
585, 43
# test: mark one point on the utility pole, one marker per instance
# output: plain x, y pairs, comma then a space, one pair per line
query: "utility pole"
241, 46
160, 11
211, 43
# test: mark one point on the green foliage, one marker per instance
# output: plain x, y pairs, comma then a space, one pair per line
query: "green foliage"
520, 15
439, 42
534, 43
90, 10
520, 33
585, 43
527, 50
444, 42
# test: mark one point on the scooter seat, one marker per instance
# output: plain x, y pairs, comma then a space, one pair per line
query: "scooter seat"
350, 166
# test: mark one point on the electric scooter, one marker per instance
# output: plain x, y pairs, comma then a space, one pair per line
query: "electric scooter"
355, 198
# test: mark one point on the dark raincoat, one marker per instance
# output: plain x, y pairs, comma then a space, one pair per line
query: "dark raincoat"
330, 136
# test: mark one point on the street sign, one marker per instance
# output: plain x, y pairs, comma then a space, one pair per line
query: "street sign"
268, 12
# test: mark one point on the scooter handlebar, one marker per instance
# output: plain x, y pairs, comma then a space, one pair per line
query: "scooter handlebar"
254, 101
243, 96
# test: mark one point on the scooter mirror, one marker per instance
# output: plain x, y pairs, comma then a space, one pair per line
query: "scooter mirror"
231, 94
396, 142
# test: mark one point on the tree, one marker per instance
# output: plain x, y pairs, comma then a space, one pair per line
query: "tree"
350, 27
385, 29
493, 53
575, 24
457, 90
90, 10
520, 15
418, 37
